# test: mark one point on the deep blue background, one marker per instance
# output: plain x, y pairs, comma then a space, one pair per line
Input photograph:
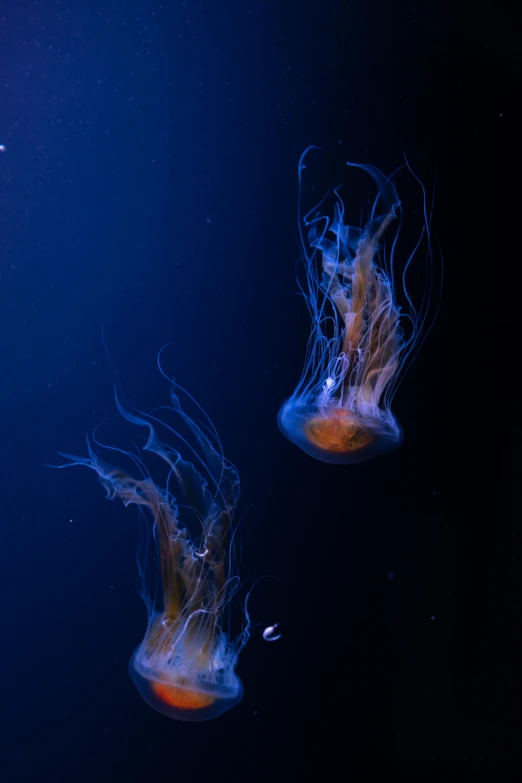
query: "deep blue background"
149, 184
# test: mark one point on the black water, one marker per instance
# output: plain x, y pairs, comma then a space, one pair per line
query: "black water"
148, 183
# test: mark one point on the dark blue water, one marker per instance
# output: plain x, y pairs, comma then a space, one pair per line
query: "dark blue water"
149, 184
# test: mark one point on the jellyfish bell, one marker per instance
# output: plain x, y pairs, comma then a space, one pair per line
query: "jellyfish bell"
338, 435
358, 351
185, 678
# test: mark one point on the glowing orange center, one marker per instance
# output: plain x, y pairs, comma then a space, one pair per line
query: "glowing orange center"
184, 698
339, 431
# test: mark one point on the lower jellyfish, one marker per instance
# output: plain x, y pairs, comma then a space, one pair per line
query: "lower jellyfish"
185, 665
357, 351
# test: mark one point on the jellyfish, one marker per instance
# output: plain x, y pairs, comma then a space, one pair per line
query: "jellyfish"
358, 350
185, 665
